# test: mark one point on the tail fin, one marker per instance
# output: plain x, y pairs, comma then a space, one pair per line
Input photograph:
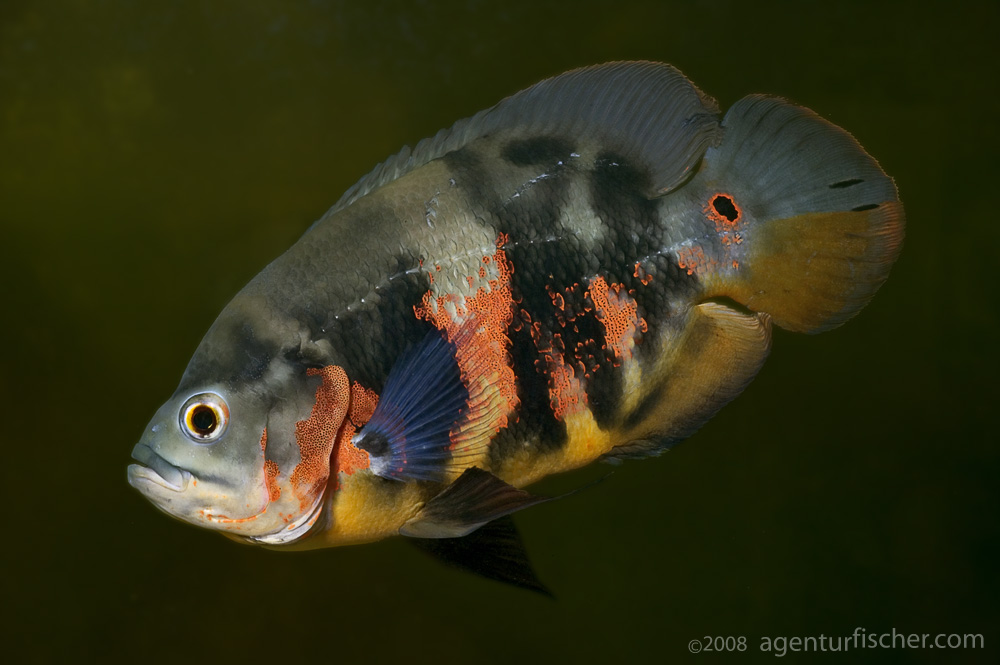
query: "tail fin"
810, 222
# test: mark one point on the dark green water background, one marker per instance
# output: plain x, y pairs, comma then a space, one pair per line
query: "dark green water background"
155, 156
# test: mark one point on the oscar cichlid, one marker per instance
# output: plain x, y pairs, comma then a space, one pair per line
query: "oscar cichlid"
588, 270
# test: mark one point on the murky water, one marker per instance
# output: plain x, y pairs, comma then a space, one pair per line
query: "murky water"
154, 156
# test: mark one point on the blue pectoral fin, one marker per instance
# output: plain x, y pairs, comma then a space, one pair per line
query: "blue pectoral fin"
407, 437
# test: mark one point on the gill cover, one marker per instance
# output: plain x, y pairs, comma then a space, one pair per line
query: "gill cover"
240, 447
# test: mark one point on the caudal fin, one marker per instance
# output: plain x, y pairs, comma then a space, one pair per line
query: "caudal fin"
808, 222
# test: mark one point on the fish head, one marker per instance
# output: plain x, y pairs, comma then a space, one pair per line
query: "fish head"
225, 452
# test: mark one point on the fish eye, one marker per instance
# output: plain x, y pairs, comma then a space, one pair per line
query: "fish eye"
204, 417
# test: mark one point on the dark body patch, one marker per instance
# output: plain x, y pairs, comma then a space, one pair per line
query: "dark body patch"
553, 268
620, 197
528, 220
645, 407
370, 339
242, 359
539, 151
367, 339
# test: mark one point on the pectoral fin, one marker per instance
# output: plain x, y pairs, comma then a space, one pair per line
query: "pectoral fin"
474, 499
408, 435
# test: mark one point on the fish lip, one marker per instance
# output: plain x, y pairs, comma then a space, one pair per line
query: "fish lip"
155, 469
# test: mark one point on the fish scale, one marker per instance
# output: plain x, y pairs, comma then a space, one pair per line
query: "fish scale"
588, 270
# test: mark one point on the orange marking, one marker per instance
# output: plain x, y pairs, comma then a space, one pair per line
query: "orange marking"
523, 318
641, 274
316, 435
224, 519
348, 458
693, 260
566, 394
481, 355
618, 313
558, 300
270, 471
363, 403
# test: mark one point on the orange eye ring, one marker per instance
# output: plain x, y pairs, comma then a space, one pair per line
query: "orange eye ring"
204, 418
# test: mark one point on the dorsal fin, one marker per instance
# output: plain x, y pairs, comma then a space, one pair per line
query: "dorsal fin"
646, 111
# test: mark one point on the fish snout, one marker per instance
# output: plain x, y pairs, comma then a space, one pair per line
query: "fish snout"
154, 469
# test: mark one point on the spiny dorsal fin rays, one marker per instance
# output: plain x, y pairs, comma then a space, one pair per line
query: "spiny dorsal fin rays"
646, 111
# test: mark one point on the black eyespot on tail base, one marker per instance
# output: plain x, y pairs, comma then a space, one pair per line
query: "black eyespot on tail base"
725, 206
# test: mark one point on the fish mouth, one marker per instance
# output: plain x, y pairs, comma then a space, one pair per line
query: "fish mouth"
154, 469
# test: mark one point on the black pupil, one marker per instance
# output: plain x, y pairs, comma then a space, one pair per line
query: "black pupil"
203, 419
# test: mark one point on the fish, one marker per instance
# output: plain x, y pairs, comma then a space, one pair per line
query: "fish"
586, 271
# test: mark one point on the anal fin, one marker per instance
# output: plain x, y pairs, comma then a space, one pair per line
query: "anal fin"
494, 551
719, 352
